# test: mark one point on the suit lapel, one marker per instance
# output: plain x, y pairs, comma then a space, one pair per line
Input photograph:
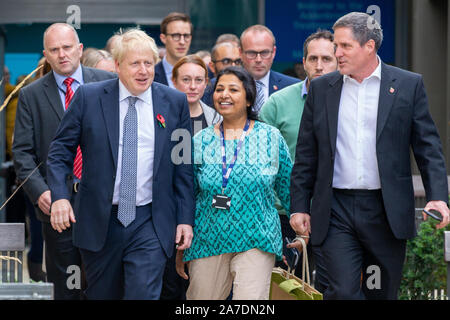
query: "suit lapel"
52, 92
160, 106
88, 75
388, 90
273, 83
110, 106
333, 99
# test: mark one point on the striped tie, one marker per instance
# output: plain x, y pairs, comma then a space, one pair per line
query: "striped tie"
128, 176
259, 101
78, 162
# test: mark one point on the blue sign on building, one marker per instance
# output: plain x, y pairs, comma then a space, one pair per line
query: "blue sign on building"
292, 21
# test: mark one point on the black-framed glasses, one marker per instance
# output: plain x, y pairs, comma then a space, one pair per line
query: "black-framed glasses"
250, 54
228, 61
177, 36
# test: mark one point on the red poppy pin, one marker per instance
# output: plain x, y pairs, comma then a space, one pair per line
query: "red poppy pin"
161, 120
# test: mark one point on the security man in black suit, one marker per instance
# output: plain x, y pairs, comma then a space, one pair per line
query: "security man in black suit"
351, 184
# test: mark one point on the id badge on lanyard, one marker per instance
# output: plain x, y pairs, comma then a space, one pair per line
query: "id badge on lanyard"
222, 201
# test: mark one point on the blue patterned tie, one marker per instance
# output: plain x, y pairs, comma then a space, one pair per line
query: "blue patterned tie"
259, 101
127, 191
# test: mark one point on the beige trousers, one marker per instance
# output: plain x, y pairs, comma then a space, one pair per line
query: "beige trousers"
247, 272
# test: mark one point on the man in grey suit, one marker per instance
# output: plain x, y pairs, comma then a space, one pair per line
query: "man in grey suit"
40, 108
351, 184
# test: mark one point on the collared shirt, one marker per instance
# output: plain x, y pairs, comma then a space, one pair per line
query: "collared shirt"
168, 69
77, 76
356, 165
304, 88
146, 144
265, 81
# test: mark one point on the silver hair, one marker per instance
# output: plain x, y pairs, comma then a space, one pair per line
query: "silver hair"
363, 26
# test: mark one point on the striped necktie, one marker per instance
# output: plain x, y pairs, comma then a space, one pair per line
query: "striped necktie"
259, 101
78, 162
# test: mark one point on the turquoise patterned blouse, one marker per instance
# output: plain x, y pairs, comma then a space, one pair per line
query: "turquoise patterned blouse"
263, 166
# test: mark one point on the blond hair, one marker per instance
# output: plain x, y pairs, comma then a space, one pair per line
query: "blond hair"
92, 57
133, 39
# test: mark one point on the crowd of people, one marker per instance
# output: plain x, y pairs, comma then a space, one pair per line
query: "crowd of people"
168, 175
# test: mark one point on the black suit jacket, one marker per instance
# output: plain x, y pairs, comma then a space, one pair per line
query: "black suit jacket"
403, 121
160, 74
39, 112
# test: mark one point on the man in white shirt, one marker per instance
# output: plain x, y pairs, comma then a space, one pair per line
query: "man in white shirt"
134, 203
41, 106
351, 184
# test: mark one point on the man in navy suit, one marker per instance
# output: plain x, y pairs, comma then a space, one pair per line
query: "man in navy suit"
351, 184
257, 53
176, 34
134, 202
40, 109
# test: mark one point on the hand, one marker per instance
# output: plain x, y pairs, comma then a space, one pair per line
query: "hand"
61, 215
300, 222
180, 265
44, 202
184, 236
440, 206
297, 245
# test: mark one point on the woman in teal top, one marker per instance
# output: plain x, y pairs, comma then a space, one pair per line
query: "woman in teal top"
237, 234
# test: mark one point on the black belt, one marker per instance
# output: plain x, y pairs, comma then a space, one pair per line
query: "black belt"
76, 187
358, 192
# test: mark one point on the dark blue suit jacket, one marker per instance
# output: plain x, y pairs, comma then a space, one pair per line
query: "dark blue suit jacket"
160, 74
277, 81
403, 122
93, 123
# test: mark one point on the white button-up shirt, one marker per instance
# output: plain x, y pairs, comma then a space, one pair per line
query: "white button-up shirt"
356, 165
146, 145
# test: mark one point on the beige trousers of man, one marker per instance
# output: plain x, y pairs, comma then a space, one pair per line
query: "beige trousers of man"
247, 272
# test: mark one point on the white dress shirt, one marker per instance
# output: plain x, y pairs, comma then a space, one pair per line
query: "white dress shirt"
356, 165
146, 144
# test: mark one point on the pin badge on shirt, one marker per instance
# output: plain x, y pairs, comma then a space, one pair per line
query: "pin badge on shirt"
275, 87
391, 90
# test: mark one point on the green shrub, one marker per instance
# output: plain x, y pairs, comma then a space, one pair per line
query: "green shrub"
425, 269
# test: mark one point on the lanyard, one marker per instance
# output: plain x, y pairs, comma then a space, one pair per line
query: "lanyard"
226, 173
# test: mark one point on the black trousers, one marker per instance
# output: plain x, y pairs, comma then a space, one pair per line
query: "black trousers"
314, 257
174, 287
362, 257
60, 254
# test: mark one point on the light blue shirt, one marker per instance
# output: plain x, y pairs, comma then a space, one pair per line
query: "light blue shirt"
77, 76
168, 69
304, 89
